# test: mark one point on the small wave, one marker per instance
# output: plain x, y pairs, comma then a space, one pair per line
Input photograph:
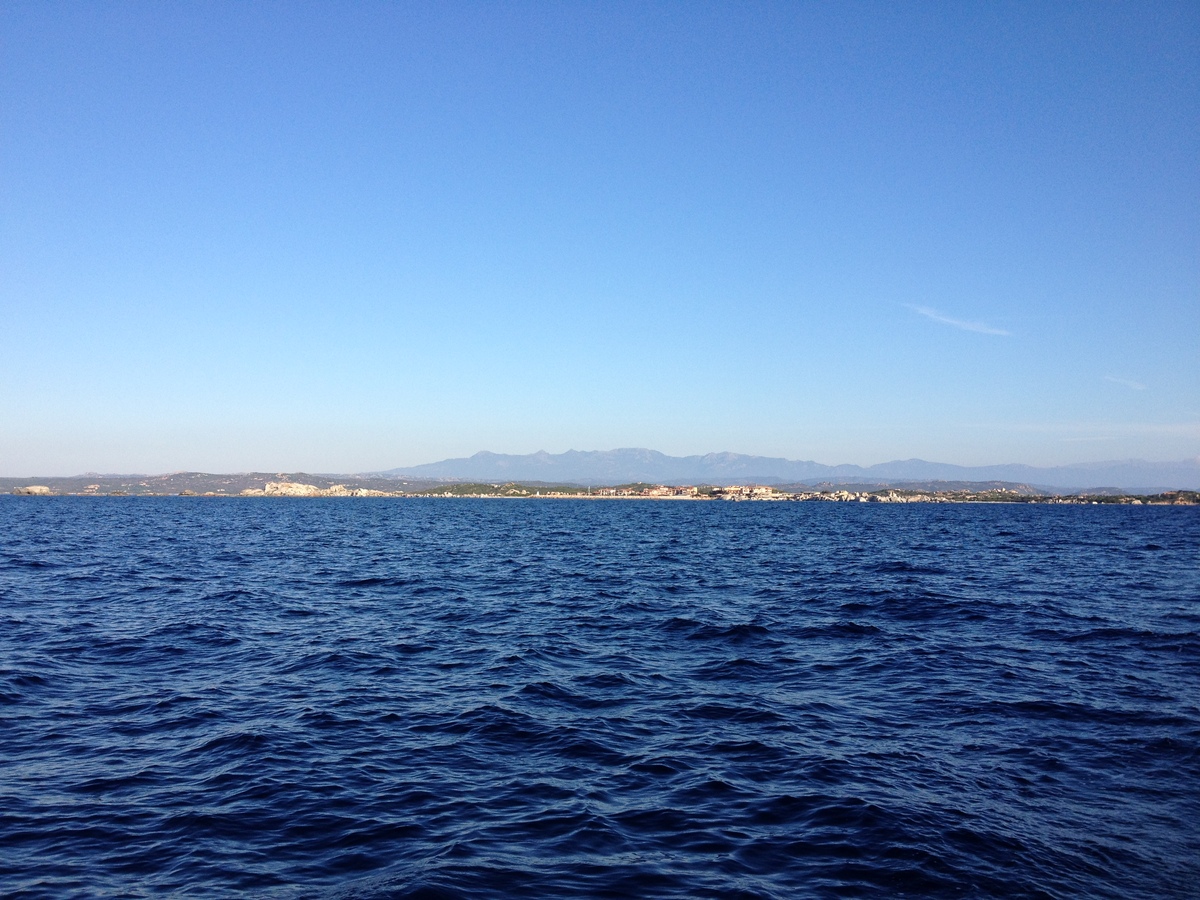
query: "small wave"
897, 566
377, 581
722, 712
735, 634
553, 693
838, 630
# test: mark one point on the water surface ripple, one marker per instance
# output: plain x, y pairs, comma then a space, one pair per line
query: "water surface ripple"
426, 698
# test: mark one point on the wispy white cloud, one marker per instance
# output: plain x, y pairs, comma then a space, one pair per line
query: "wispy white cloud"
979, 327
1132, 385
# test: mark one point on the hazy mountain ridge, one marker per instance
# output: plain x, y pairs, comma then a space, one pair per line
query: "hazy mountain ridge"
639, 464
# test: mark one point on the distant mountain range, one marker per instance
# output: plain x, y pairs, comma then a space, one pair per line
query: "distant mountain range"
633, 465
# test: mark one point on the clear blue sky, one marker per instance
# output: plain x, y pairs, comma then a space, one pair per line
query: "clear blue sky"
345, 237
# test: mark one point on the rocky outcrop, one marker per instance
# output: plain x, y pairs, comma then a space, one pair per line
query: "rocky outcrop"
33, 490
290, 489
296, 489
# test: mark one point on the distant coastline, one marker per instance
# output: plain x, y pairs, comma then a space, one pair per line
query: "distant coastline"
316, 487
607, 468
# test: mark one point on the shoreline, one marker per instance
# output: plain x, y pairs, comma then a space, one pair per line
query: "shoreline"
1174, 498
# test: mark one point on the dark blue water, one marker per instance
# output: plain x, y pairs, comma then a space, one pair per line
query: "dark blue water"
408, 698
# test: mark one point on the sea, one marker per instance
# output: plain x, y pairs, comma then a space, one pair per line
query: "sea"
425, 698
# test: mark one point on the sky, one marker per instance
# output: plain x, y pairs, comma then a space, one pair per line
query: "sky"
344, 237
